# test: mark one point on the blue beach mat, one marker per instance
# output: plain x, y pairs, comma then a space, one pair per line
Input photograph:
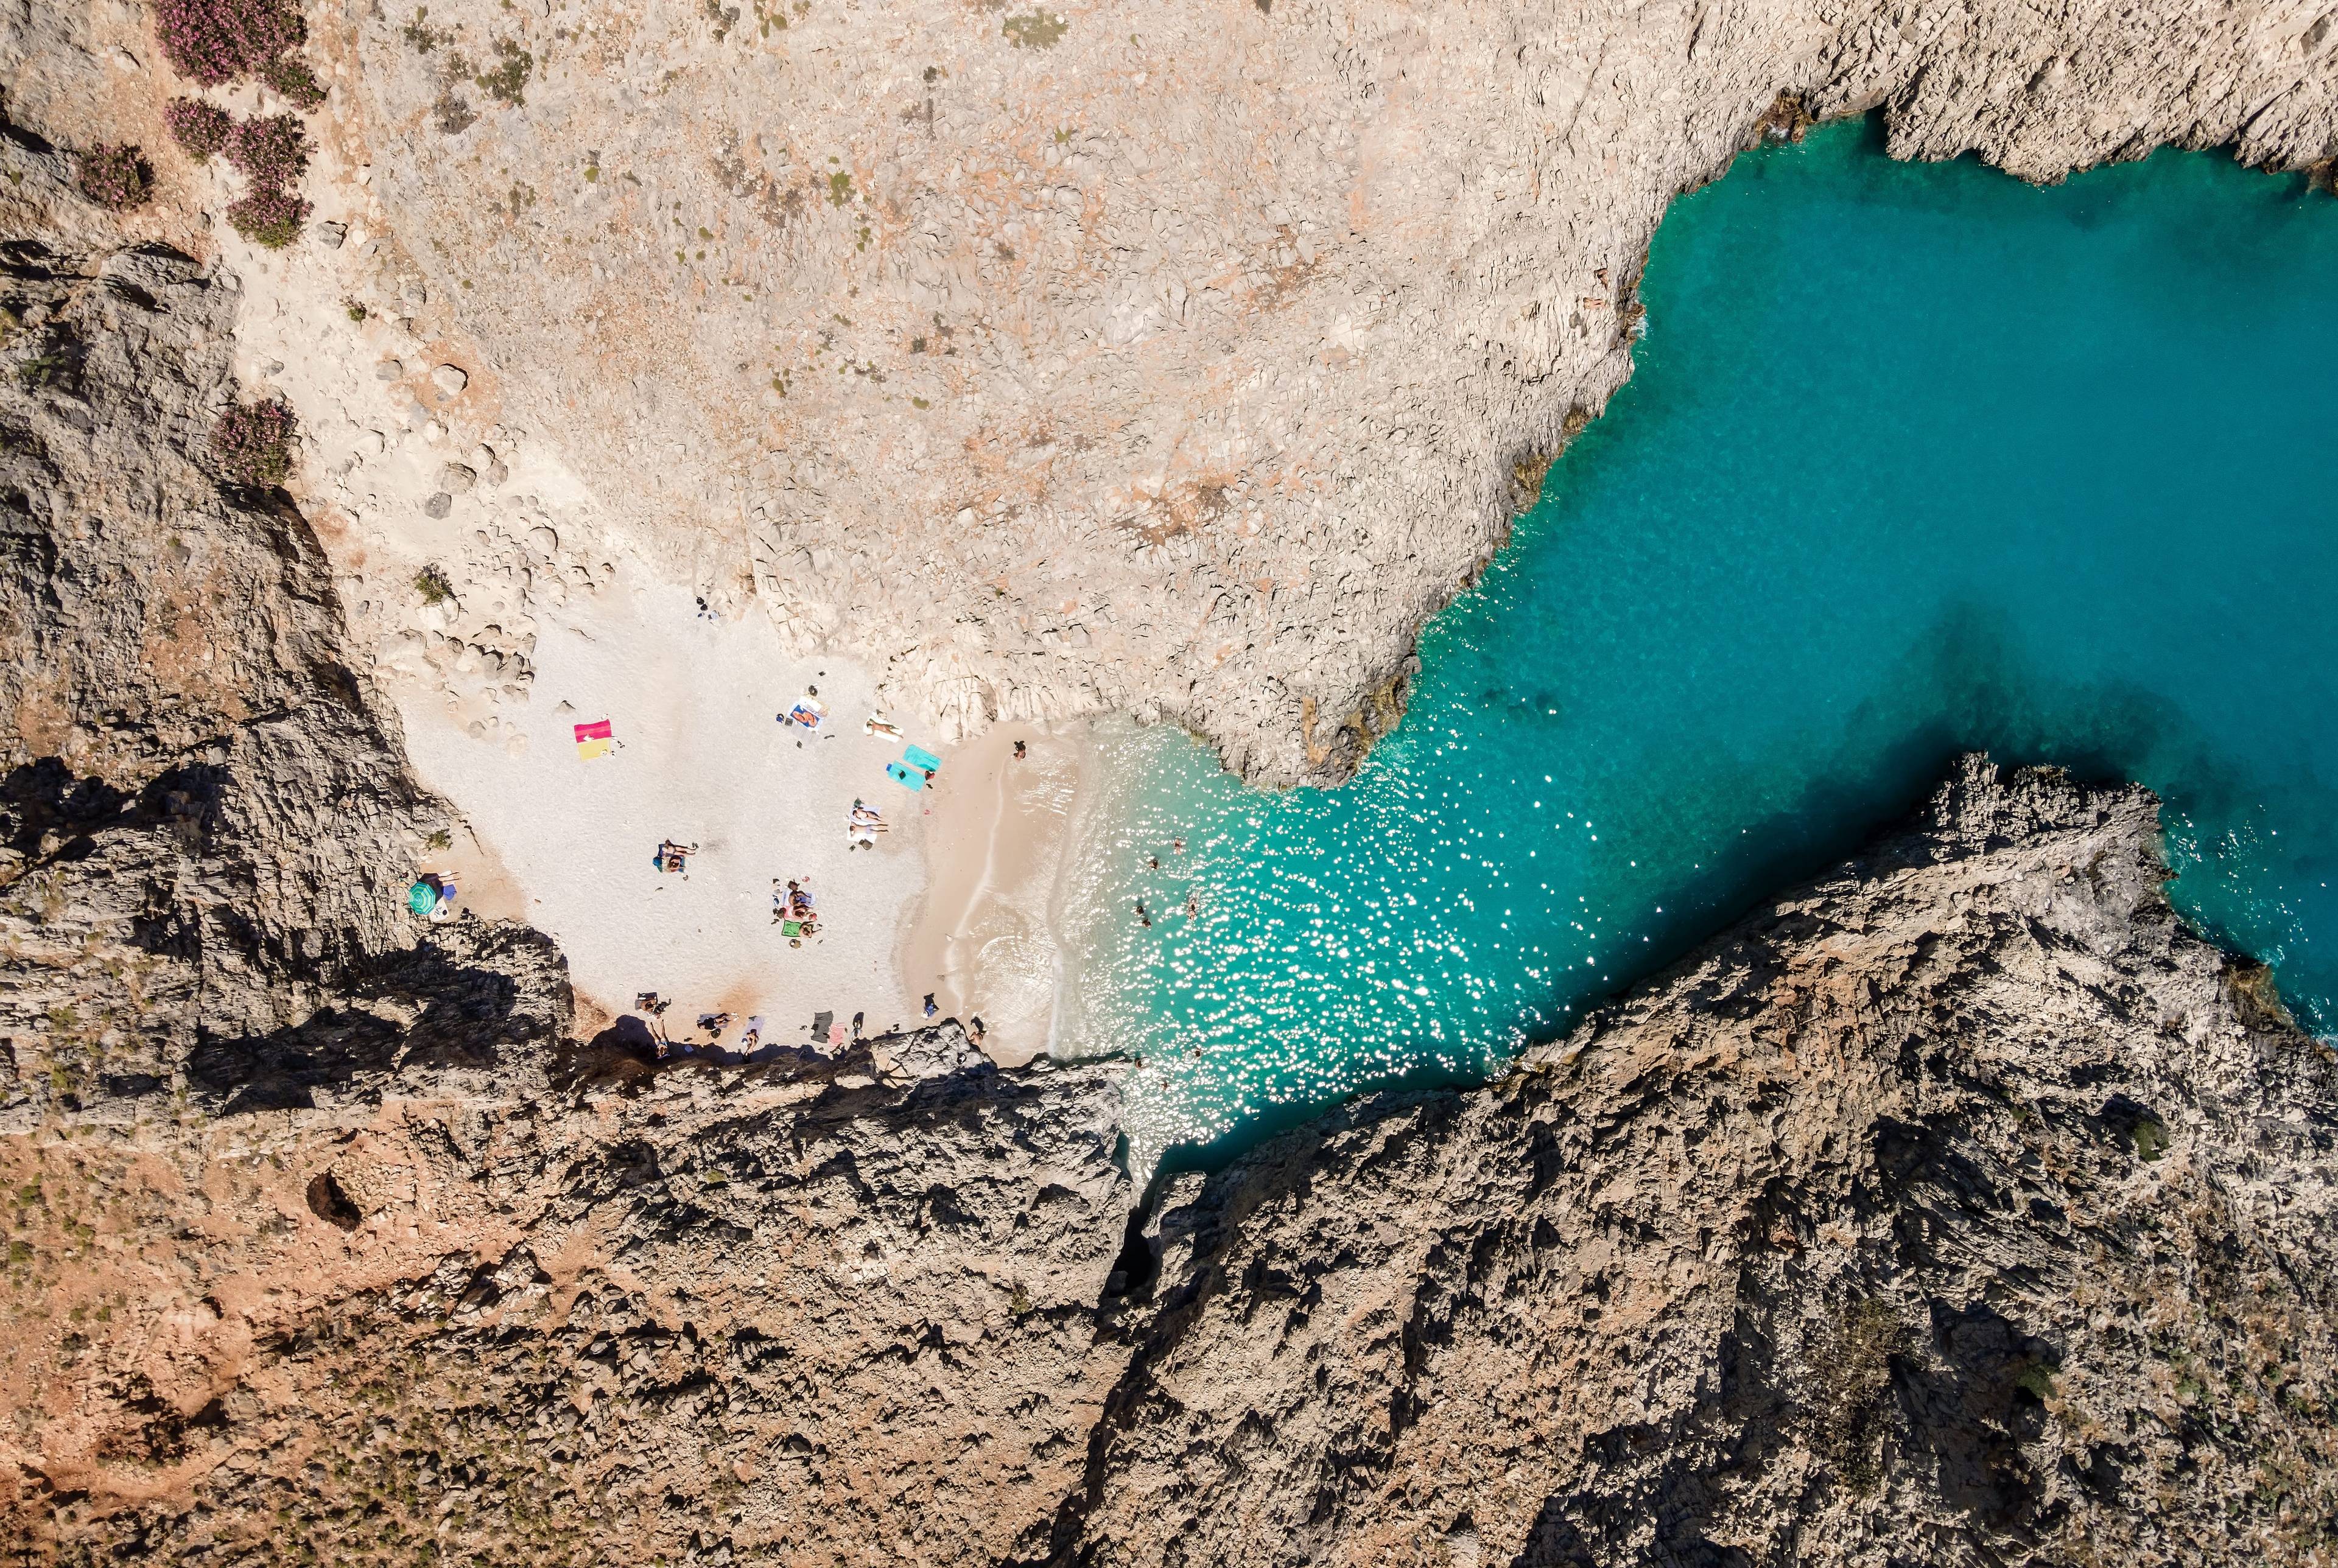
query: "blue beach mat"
919, 757
907, 778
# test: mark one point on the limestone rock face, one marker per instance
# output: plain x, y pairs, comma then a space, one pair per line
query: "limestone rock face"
1179, 362
206, 821
1962, 1208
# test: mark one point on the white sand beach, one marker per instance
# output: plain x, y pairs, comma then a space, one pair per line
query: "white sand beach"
566, 843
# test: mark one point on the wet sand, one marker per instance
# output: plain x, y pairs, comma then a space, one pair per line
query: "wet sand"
982, 938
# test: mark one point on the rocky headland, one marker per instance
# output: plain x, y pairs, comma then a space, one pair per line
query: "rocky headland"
1046, 361
1961, 1207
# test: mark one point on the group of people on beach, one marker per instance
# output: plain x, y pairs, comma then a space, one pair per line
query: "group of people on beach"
826, 1033
793, 908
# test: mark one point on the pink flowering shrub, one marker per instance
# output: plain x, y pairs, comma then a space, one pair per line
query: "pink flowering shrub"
268, 217
217, 41
199, 128
116, 177
271, 152
293, 82
253, 441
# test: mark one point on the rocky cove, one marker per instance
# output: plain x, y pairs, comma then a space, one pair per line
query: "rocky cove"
1899, 474
1960, 1205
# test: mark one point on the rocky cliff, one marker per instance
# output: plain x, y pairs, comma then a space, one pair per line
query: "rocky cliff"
1049, 360
1180, 362
1960, 1208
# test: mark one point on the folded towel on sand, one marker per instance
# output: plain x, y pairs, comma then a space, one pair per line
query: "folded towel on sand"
594, 739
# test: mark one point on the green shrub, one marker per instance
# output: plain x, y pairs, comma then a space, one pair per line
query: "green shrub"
293, 82
116, 177
199, 128
1847, 1363
253, 441
272, 151
1034, 30
270, 218
217, 41
507, 83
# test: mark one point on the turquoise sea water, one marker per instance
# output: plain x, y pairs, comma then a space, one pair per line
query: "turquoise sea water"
1917, 458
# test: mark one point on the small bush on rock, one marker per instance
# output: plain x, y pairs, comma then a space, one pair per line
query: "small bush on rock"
117, 178
218, 40
199, 128
271, 219
294, 82
253, 441
271, 151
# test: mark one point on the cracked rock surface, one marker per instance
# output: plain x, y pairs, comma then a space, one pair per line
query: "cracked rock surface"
1961, 1207
1056, 362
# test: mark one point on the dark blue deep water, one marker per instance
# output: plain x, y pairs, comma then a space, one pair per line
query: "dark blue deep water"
1917, 458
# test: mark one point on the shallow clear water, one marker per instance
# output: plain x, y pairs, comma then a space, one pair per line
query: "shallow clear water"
1916, 458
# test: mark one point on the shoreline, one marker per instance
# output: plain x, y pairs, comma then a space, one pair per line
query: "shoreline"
982, 934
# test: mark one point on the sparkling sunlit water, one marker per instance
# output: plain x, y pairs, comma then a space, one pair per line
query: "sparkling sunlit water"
1917, 458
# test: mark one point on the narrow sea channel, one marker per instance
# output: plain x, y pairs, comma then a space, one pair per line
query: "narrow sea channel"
1917, 458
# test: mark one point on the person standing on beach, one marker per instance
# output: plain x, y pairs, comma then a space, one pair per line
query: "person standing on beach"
930, 1008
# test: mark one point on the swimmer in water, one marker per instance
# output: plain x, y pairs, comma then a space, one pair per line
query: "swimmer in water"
1193, 904
1143, 918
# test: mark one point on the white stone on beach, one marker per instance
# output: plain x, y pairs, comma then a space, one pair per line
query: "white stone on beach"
450, 378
